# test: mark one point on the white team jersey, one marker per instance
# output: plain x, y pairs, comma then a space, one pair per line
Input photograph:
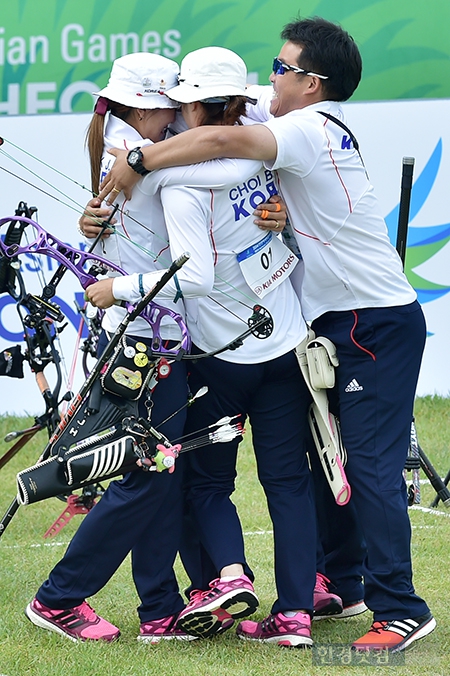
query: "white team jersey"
141, 225
349, 262
215, 225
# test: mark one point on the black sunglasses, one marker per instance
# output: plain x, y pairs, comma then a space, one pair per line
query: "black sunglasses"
280, 68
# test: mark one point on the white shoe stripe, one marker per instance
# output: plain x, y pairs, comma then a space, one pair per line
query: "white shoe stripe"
398, 630
404, 625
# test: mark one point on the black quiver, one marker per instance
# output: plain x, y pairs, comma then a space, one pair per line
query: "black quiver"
95, 446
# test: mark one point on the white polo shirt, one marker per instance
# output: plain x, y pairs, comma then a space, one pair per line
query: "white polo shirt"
349, 262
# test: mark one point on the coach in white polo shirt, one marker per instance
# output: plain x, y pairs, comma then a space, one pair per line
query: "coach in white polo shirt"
354, 292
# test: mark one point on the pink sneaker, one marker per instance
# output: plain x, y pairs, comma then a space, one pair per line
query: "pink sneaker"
325, 603
79, 624
154, 631
292, 632
213, 611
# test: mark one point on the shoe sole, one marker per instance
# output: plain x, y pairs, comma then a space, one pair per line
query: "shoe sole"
156, 639
352, 611
202, 622
43, 623
349, 611
286, 640
332, 608
47, 624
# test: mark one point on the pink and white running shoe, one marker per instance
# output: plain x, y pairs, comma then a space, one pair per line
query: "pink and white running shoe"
326, 604
209, 612
291, 632
154, 631
79, 624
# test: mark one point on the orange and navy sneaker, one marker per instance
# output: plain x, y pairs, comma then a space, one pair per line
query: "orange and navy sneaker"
395, 635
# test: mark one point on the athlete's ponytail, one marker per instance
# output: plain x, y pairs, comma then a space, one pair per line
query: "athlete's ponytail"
95, 135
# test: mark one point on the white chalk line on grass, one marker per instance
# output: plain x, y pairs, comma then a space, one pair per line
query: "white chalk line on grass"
35, 545
64, 544
417, 508
428, 510
423, 482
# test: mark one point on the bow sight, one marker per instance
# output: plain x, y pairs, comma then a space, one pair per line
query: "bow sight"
38, 319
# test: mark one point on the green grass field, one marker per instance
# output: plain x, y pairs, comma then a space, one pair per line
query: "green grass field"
26, 558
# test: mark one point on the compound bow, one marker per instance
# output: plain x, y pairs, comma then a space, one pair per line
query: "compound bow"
87, 267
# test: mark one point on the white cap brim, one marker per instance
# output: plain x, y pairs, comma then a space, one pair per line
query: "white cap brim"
186, 93
143, 101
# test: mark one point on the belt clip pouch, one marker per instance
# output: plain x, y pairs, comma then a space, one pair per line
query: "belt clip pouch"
129, 369
322, 360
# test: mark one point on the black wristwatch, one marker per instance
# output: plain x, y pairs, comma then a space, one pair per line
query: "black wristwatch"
134, 159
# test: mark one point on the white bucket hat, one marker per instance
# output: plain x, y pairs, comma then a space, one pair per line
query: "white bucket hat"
141, 80
210, 73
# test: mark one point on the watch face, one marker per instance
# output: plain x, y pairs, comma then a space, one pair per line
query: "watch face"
133, 157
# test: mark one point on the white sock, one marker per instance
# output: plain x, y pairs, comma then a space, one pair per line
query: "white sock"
228, 578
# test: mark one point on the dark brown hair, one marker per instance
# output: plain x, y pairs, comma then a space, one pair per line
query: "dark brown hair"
95, 140
226, 113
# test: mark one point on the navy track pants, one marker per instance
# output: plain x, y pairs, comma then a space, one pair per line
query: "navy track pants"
275, 398
379, 351
141, 514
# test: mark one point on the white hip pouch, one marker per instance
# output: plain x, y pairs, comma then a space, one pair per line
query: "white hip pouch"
322, 360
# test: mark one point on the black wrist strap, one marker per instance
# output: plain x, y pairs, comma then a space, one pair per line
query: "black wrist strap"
138, 167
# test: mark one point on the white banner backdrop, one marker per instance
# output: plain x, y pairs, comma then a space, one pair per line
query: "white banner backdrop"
386, 131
